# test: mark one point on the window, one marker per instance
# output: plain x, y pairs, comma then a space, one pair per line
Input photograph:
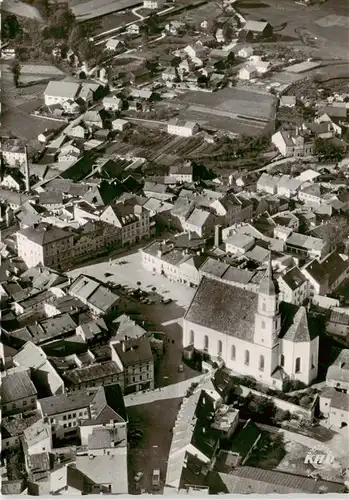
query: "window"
247, 357
313, 360
191, 337
233, 352
64, 417
261, 363
74, 415
263, 324
220, 348
25, 402
264, 308
298, 365
282, 360
206, 343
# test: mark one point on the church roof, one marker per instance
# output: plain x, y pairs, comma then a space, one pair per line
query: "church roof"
227, 309
223, 308
296, 325
267, 285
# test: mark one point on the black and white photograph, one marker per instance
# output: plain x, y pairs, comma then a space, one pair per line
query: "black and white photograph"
174, 247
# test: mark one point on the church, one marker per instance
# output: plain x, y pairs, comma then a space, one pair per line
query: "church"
253, 333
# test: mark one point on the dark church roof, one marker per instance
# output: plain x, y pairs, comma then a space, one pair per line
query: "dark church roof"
230, 310
223, 308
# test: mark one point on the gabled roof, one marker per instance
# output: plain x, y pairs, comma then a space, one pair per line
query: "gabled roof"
63, 89
329, 269
256, 26
333, 111
44, 235
108, 404
299, 329
223, 308
16, 386
293, 278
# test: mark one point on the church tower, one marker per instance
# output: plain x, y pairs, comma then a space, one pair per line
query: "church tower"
267, 318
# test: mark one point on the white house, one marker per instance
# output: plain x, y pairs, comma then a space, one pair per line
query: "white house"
174, 27
245, 52
293, 286
288, 101
182, 128
334, 406
247, 73
120, 125
287, 186
60, 92
238, 244
338, 373
220, 36
133, 29
113, 44
153, 4
293, 143
326, 274
112, 103
267, 184
247, 331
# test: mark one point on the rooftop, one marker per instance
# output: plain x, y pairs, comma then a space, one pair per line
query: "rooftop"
17, 386
62, 403
244, 480
134, 351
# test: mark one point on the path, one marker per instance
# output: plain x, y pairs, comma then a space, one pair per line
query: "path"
135, 12
173, 391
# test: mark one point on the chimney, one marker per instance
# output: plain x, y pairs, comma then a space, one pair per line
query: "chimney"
27, 173
217, 235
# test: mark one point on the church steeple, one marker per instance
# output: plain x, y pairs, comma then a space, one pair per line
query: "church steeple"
267, 284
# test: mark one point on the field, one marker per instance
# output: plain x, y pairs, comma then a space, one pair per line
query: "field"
91, 9
325, 23
18, 104
115, 20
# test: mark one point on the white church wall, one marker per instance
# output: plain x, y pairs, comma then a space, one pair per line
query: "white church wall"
300, 370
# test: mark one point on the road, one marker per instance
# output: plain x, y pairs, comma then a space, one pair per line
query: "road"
173, 391
113, 31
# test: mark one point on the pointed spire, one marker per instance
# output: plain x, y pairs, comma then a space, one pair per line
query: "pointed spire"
266, 285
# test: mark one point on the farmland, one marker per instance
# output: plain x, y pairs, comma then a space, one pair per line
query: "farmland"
323, 23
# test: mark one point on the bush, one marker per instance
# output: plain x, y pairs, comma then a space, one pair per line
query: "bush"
282, 415
305, 401
294, 385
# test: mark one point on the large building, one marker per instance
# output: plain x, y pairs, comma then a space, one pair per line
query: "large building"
50, 246
251, 332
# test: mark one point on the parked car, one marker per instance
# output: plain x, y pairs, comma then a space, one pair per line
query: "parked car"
108, 274
166, 301
138, 476
155, 480
180, 368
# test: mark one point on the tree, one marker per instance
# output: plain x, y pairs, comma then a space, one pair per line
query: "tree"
203, 81
10, 27
337, 231
327, 151
16, 71
62, 21
76, 37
